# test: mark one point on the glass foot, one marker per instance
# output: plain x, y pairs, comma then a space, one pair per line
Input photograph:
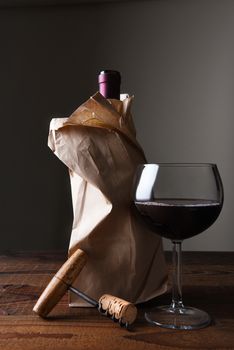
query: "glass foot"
178, 318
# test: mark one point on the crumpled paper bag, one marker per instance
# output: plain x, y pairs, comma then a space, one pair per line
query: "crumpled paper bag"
98, 145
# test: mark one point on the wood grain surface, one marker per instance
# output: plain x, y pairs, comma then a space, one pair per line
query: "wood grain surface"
208, 280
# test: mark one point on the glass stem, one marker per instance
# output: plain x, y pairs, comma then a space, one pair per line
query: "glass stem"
176, 276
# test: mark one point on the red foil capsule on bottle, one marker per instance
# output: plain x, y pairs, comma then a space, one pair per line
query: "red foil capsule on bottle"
109, 83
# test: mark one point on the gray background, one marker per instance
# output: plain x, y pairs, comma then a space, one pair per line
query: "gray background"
176, 57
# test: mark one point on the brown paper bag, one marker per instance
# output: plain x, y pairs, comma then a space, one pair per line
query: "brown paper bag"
98, 145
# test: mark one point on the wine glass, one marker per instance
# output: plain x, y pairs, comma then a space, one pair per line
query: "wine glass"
178, 201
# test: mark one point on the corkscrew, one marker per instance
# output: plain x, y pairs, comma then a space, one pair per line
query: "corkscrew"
119, 310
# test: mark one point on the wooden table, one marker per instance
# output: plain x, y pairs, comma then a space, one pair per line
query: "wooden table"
208, 283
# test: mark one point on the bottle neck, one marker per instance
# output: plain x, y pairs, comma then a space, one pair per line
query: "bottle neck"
109, 84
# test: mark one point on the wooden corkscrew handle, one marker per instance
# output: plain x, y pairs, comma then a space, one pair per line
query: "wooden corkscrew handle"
59, 284
109, 305
119, 309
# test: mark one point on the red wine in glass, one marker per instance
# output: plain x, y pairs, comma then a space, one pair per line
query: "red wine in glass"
178, 201
178, 219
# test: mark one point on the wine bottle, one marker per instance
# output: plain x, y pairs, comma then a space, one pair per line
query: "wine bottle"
109, 84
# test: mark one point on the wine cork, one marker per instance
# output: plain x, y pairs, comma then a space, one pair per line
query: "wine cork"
119, 308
